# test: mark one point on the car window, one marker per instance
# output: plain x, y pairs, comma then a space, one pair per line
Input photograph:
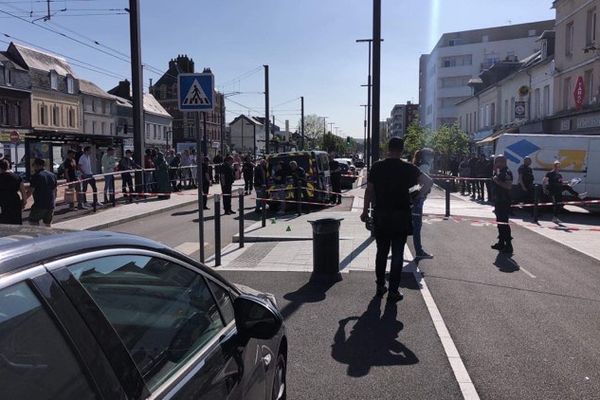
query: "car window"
163, 312
224, 300
35, 360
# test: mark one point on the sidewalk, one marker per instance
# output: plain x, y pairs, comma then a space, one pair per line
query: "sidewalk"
111, 216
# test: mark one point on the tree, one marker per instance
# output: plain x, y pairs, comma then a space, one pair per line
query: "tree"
450, 142
313, 129
415, 139
330, 142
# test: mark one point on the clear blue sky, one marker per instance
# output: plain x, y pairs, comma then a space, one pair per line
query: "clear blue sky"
309, 44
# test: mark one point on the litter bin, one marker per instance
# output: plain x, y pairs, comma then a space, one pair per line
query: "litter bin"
326, 250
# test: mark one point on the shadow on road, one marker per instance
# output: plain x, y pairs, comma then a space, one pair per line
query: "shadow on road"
372, 340
311, 292
505, 263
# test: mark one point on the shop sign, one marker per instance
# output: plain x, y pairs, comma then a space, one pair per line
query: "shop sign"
565, 125
588, 122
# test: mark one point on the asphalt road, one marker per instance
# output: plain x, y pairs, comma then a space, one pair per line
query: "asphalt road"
526, 326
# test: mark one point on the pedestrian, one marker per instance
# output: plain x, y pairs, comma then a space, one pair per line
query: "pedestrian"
87, 178
11, 205
217, 161
149, 168
388, 187
174, 172
162, 176
489, 174
555, 186
205, 182
194, 169
481, 174
227, 179
526, 180
260, 184
417, 207
42, 186
335, 173
473, 174
298, 176
69, 167
278, 194
503, 179
109, 164
248, 172
127, 164
464, 173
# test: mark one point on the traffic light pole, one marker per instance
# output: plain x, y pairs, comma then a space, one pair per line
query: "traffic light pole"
376, 79
137, 87
302, 121
267, 122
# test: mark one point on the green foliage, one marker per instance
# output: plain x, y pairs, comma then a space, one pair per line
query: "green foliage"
415, 139
450, 141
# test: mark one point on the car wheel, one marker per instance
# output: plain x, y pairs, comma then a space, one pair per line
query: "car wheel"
279, 391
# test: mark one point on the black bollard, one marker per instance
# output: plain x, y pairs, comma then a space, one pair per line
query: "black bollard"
299, 201
217, 206
264, 213
326, 250
536, 202
447, 199
241, 217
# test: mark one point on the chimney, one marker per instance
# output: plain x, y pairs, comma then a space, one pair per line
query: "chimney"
123, 89
150, 83
287, 125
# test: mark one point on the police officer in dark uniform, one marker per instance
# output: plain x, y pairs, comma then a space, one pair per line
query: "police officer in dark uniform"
227, 179
503, 179
336, 180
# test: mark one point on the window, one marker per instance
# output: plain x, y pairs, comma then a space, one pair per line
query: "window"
223, 300
163, 312
455, 81
70, 85
546, 101
18, 110
37, 362
4, 113
6, 71
512, 109
71, 118
493, 114
43, 115
154, 131
93, 127
588, 79
537, 100
112, 127
566, 93
103, 128
570, 33
457, 61
505, 113
93, 105
590, 30
55, 116
53, 80
147, 131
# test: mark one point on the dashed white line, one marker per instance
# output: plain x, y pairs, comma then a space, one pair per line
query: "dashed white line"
527, 272
458, 367
189, 248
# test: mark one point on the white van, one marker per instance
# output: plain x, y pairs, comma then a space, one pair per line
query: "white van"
579, 156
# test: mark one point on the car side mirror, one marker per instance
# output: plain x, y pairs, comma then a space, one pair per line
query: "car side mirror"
256, 318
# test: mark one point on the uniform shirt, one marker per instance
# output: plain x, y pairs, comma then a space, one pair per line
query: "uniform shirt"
555, 181
70, 170
298, 177
260, 176
335, 171
228, 176
108, 163
392, 179
10, 184
85, 164
44, 184
503, 194
526, 174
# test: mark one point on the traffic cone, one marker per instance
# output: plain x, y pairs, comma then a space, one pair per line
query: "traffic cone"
288, 229
273, 220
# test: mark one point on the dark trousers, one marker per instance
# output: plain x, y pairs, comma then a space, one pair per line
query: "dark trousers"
384, 243
127, 181
89, 180
226, 199
502, 212
490, 190
336, 187
205, 189
248, 183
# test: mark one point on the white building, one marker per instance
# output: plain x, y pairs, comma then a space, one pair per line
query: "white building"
458, 57
98, 109
244, 129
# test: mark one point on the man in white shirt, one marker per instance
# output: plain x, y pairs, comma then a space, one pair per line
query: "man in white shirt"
85, 167
109, 163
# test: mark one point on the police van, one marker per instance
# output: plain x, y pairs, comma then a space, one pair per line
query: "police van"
316, 166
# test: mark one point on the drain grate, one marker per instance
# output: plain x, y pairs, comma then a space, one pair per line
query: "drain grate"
253, 255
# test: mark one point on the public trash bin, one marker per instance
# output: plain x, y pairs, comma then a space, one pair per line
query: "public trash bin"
326, 250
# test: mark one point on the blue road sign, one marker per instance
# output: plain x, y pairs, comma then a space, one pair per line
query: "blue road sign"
195, 92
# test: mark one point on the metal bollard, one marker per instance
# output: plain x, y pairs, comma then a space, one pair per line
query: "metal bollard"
264, 213
447, 199
217, 230
536, 202
241, 217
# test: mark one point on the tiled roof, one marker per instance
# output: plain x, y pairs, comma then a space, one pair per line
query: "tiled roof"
36, 59
87, 87
151, 105
4, 57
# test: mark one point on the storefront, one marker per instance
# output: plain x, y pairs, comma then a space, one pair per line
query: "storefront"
12, 145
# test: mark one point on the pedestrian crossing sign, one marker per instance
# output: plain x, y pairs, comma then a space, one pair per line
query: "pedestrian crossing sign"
196, 92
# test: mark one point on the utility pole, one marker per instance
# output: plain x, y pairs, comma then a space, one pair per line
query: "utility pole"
365, 134
204, 137
331, 124
267, 128
136, 86
222, 125
376, 78
302, 121
324, 125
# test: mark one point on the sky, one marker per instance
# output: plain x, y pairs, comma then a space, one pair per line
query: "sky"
309, 45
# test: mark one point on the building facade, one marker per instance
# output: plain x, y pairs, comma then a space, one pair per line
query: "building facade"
577, 76
243, 130
458, 57
402, 116
15, 111
185, 131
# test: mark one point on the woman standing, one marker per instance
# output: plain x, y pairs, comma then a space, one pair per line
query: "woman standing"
417, 207
11, 205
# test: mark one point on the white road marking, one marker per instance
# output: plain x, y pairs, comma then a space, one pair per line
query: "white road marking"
527, 272
189, 248
458, 367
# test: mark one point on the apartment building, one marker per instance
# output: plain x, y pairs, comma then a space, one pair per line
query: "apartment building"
401, 117
458, 57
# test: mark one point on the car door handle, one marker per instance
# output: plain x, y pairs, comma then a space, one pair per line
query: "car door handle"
267, 360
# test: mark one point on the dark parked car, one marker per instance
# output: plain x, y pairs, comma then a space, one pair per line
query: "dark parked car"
100, 315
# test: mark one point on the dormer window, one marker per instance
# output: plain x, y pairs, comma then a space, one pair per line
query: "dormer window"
53, 80
6, 71
70, 85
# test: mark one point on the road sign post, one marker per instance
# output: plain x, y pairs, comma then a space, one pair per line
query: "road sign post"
196, 94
